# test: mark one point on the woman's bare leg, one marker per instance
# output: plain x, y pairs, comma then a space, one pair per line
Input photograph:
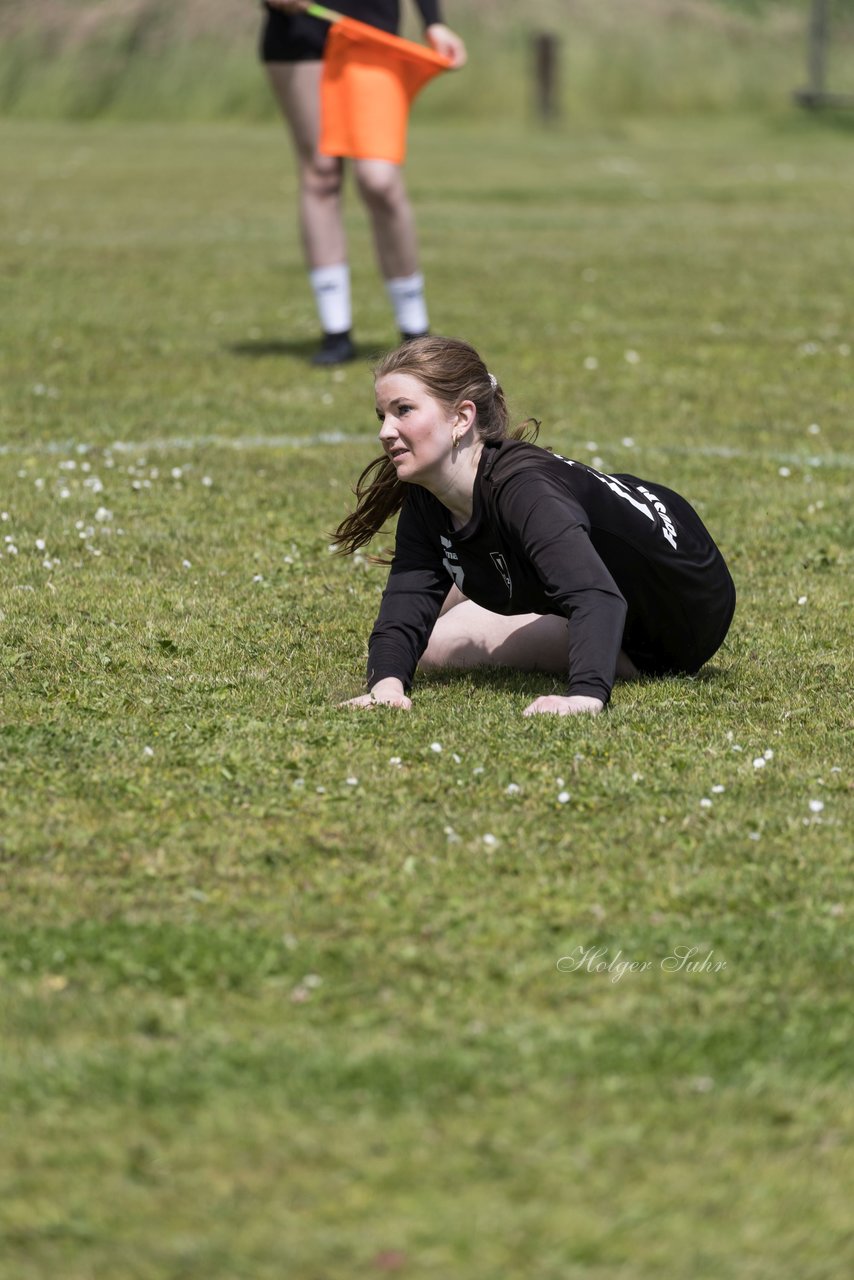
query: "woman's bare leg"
383, 190
297, 89
465, 636
453, 598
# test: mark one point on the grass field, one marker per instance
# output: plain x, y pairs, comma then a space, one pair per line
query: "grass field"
281, 991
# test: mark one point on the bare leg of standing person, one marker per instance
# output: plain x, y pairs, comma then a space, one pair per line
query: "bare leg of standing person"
297, 89
383, 190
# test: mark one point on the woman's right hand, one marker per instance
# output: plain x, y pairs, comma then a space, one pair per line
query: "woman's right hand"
385, 693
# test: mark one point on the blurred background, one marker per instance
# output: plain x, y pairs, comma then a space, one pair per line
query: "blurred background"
194, 60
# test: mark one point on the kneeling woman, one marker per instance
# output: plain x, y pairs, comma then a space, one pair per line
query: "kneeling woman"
509, 555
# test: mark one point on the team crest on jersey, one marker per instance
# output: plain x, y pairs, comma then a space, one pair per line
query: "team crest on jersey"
501, 565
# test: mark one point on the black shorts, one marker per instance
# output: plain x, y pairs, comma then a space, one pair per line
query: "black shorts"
678, 637
301, 38
684, 655
297, 38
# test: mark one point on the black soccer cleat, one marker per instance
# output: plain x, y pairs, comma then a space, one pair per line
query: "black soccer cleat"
336, 348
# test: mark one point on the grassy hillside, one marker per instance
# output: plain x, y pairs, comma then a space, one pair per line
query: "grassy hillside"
142, 59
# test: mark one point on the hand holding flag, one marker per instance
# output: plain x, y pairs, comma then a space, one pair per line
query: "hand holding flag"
446, 42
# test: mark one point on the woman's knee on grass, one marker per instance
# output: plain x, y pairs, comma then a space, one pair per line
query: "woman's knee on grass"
470, 636
465, 635
452, 644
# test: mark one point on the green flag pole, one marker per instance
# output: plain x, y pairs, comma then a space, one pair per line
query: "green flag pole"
320, 11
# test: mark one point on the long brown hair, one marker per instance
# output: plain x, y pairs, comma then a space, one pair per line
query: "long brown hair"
451, 371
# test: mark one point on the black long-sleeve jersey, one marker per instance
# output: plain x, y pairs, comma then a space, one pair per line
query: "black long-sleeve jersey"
385, 14
300, 37
627, 561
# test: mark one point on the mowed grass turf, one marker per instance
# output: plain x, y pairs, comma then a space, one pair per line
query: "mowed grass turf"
291, 990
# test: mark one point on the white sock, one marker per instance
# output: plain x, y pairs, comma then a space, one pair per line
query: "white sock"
407, 298
331, 287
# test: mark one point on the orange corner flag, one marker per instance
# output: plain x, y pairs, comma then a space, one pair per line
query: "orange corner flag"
369, 80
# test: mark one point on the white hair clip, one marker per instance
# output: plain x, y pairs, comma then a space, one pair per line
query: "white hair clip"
493, 381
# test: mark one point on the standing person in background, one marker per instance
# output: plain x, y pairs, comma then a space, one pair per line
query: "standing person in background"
292, 49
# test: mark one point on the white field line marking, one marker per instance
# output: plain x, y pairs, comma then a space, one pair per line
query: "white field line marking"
185, 442
845, 461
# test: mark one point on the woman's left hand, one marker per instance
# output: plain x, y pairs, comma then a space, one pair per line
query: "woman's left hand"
557, 706
442, 39
388, 692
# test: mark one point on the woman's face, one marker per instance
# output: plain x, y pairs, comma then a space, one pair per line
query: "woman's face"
416, 429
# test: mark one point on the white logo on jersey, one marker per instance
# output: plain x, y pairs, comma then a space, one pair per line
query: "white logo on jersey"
668, 527
623, 491
616, 486
501, 565
454, 569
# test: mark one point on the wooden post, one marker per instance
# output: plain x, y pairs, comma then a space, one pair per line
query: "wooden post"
546, 75
817, 57
818, 38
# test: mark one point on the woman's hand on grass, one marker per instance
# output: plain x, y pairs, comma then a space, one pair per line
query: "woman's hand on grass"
557, 706
385, 693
